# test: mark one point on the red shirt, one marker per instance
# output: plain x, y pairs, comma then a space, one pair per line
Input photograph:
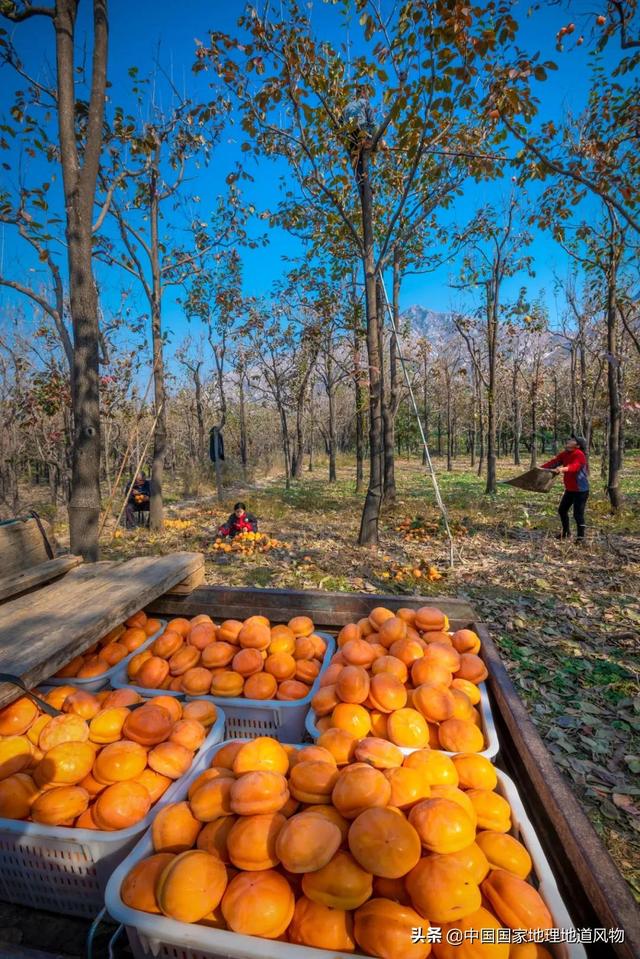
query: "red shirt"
576, 479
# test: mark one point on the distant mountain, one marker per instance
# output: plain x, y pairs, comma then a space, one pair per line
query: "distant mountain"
425, 322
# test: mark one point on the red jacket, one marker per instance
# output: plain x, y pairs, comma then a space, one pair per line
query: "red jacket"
576, 479
247, 523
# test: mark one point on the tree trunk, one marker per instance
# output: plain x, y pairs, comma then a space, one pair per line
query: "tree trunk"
373, 500
615, 412
492, 336
439, 431
534, 427
311, 429
243, 426
79, 191
197, 382
555, 415
425, 406
392, 404
156, 508
517, 419
331, 395
360, 398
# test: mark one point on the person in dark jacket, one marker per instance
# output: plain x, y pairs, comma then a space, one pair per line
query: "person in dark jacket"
239, 522
138, 500
572, 464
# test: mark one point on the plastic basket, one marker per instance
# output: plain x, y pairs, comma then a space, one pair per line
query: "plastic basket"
283, 720
66, 870
486, 719
99, 682
162, 938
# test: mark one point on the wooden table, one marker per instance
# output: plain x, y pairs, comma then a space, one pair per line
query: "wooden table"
41, 631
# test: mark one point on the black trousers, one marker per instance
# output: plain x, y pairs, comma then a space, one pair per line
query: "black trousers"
579, 502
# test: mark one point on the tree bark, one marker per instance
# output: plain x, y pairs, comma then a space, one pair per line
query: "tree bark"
373, 500
79, 183
360, 400
517, 418
492, 337
156, 508
243, 423
615, 412
393, 400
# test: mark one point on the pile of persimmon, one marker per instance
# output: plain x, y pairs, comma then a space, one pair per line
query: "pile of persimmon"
100, 764
251, 659
111, 649
345, 845
406, 679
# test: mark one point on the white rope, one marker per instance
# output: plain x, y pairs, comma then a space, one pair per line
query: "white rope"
434, 479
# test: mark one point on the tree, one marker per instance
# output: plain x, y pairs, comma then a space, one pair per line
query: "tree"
80, 135
295, 112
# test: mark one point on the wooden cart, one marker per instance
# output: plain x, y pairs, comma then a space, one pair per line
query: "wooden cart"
593, 890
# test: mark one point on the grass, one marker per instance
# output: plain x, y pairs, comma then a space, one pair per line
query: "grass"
565, 618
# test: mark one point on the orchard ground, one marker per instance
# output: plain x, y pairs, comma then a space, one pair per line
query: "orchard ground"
565, 617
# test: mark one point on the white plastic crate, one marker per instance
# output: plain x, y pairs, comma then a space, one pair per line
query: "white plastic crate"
66, 870
162, 938
282, 719
96, 683
486, 720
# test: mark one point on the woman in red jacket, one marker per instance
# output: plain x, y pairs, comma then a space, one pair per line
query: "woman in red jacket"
572, 463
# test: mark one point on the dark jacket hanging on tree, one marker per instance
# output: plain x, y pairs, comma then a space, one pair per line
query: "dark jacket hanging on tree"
216, 451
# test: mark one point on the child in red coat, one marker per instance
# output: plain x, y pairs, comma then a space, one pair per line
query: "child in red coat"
239, 522
572, 464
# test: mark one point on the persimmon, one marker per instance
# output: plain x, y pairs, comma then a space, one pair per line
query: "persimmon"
407, 787
443, 826
170, 759
472, 859
17, 793
342, 883
254, 635
315, 753
407, 728
387, 693
256, 793
137, 619
152, 626
378, 724
301, 626
442, 655
384, 843
218, 654
466, 641
429, 618
56, 696
133, 638
475, 772
106, 726
121, 805
378, 753
462, 707
352, 718
260, 686
191, 885
320, 926
378, 616
442, 890
212, 799
291, 689
179, 625
515, 902
435, 702
138, 889
352, 685
113, 653
225, 756
358, 787
202, 711
313, 782
325, 699
175, 828
151, 673
434, 767
202, 635
460, 736
63, 729
59, 806
472, 668
187, 657
458, 796
121, 697
65, 764
167, 644
465, 945
196, 681
85, 820
340, 743
261, 753
229, 630
319, 645
280, 665
70, 669
188, 733
246, 662
470, 690
251, 842
385, 928
213, 837
148, 725
307, 670
214, 772
15, 755
304, 648
492, 810
436, 636
502, 851
425, 671
271, 891
283, 640
155, 784
119, 761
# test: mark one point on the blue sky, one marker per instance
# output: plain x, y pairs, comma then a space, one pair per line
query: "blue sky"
145, 29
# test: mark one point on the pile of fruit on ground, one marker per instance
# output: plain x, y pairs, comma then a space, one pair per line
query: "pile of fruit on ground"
248, 544
410, 575
111, 649
354, 849
250, 658
100, 764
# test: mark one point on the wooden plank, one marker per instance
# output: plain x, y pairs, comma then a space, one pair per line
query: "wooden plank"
328, 610
22, 545
589, 880
11, 586
188, 585
39, 633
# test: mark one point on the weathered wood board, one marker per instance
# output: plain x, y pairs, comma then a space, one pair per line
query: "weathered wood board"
22, 545
328, 610
41, 631
39, 575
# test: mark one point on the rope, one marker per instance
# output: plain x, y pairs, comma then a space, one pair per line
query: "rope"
434, 479
137, 469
